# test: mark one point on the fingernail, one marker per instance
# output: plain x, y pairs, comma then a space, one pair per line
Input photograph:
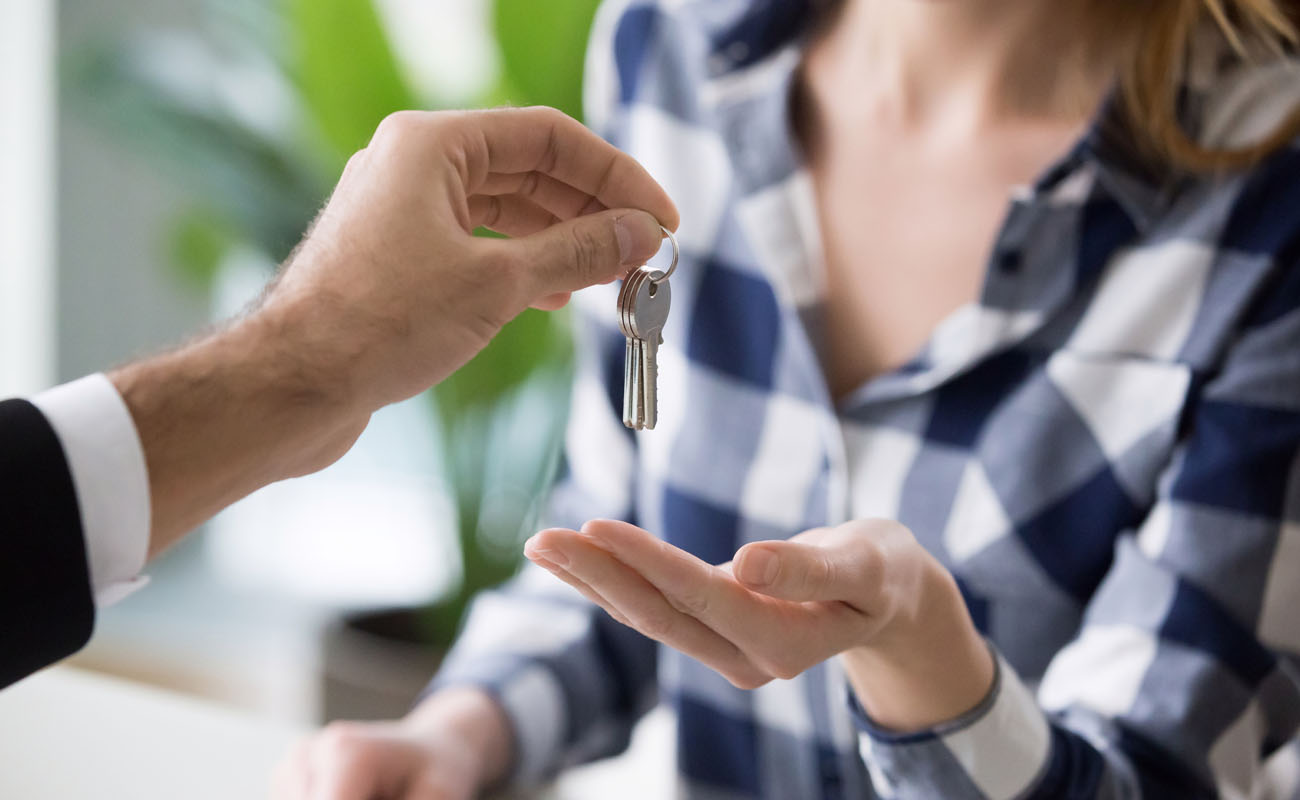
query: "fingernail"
546, 565
638, 237
591, 529
544, 554
758, 567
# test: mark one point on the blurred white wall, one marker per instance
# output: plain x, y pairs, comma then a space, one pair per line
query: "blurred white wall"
26, 197
116, 296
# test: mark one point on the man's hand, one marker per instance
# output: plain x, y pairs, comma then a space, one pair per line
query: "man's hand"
865, 590
389, 293
392, 285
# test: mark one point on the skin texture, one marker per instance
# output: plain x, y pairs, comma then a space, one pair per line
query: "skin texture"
923, 117
388, 294
917, 117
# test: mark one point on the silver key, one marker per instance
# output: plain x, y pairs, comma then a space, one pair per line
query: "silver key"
647, 315
643, 304
636, 419
630, 370
629, 363
632, 411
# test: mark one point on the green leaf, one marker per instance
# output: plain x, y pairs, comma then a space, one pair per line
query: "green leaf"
543, 48
344, 66
530, 341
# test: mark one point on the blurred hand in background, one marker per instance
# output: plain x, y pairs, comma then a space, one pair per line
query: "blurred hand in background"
449, 748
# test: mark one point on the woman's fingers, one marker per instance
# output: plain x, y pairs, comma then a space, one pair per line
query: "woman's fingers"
756, 623
691, 585
779, 608
539, 557
843, 568
575, 558
854, 563
781, 637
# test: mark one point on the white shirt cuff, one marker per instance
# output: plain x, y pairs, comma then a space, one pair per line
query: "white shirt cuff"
106, 459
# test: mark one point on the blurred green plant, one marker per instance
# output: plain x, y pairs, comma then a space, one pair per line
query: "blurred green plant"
254, 121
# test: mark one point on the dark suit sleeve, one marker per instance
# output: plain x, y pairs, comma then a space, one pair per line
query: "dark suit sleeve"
47, 611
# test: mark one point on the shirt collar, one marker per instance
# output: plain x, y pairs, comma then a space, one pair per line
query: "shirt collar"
1143, 186
746, 36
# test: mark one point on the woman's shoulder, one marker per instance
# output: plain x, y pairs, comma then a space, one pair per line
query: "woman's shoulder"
1239, 98
1237, 105
1257, 223
1263, 219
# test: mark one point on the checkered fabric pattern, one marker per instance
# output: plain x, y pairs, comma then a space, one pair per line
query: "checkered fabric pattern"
1102, 449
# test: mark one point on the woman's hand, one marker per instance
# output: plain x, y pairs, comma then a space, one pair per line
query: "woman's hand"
449, 748
865, 590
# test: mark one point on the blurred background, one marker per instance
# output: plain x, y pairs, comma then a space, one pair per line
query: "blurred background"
158, 158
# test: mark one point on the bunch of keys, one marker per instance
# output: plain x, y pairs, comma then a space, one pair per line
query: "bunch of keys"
642, 311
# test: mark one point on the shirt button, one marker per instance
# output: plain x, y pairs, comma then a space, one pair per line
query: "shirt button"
1009, 259
832, 782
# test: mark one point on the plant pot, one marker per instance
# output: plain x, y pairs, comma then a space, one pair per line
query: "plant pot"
376, 663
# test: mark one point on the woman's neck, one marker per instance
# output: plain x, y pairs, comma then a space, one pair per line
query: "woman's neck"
962, 66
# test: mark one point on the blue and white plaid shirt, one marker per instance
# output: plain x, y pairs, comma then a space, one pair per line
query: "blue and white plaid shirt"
1102, 449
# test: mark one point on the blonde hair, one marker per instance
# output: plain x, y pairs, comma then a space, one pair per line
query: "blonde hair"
1151, 78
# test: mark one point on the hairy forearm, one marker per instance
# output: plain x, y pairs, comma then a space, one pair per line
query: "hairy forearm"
230, 413
388, 294
929, 669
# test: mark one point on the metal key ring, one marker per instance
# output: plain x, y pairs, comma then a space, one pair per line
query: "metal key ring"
677, 253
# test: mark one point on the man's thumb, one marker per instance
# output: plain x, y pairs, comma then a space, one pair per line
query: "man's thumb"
588, 250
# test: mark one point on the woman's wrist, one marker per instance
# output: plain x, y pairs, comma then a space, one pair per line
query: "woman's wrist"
930, 664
